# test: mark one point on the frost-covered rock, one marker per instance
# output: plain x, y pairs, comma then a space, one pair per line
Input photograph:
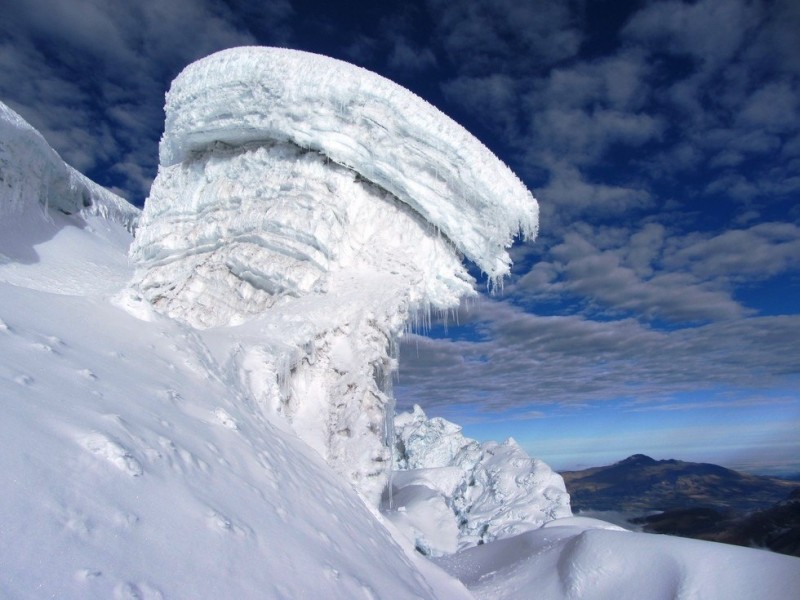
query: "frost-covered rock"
324, 207
492, 490
33, 178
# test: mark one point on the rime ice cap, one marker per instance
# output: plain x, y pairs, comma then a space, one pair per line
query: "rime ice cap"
358, 119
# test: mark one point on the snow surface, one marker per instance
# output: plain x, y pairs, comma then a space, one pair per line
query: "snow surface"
133, 465
591, 560
141, 457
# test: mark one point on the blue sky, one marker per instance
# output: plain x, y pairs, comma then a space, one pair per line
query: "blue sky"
659, 310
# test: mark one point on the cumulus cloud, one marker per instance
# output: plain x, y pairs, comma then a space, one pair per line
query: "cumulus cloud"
405, 56
759, 252
710, 31
493, 96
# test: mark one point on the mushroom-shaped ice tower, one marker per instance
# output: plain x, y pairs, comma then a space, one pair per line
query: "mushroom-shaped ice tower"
321, 206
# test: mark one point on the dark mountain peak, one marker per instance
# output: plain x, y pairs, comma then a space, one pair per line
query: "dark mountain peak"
642, 483
637, 460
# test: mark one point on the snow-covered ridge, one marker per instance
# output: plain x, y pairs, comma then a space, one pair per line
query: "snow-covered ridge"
33, 177
359, 119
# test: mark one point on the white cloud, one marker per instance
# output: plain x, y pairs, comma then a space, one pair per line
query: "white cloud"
528, 360
568, 195
711, 31
759, 252
773, 107
495, 97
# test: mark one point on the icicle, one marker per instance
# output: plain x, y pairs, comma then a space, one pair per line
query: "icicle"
390, 442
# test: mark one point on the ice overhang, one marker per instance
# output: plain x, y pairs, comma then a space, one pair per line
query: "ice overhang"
361, 120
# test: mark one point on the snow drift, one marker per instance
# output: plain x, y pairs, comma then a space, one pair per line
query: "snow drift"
294, 188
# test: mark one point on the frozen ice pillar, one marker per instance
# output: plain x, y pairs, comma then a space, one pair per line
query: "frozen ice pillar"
327, 205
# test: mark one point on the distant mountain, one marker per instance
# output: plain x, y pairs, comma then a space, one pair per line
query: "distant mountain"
640, 483
696, 500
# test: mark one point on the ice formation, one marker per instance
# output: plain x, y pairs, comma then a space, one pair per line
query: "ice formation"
451, 492
297, 189
128, 453
359, 119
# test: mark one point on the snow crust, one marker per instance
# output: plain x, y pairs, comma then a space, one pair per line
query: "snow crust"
452, 492
359, 119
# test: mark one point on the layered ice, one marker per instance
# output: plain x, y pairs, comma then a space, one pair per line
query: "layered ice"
326, 207
363, 121
452, 492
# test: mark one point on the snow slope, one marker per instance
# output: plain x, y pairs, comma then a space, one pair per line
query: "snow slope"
46, 181
588, 559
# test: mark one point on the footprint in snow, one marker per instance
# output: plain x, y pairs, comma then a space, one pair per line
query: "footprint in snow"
44, 348
133, 591
223, 418
104, 447
23, 379
219, 522
87, 574
86, 373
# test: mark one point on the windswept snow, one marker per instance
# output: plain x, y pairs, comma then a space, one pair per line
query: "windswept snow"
33, 177
42, 199
591, 560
